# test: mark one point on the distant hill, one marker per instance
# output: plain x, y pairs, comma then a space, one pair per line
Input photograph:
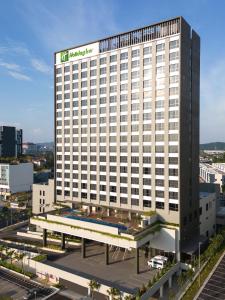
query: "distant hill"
213, 146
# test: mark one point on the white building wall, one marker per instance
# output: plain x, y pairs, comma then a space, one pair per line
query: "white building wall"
20, 177
207, 214
43, 197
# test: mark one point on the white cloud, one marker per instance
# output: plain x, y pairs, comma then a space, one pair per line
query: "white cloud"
19, 76
10, 66
40, 66
61, 28
213, 103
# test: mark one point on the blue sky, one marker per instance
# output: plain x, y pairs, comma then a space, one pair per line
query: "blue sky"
32, 30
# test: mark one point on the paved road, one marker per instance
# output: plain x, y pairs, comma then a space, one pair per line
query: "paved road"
215, 287
24, 284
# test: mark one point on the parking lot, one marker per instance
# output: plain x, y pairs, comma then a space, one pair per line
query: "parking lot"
119, 273
215, 287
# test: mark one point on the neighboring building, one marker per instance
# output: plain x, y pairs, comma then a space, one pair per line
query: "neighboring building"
29, 148
11, 140
43, 197
220, 166
15, 178
207, 214
220, 218
212, 188
214, 151
39, 162
213, 173
42, 176
127, 128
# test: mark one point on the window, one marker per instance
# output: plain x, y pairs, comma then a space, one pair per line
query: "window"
174, 91
160, 47
102, 60
123, 66
134, 202
173, 114
93, 63
159, 160
160, 70
113, 58
147, 61
135, 63
173, 172
160, 58
102, 80
93, 72
174, 55
174, 44
159, 182
84, 65
59, 71
159, 171
173, 195
123, 76
147, 50
102, 71
174, 67
159, 115
173, 125
159, 205
113, 68
173, 206
83, 74
173, 183
135, 53
113, 78
173, 102
123, 55
66, 69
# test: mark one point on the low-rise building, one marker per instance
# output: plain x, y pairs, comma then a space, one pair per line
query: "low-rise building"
207, 212
15, 178
43, 197
220, 166
212, 174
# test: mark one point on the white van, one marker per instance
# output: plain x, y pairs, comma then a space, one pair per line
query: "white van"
158, 262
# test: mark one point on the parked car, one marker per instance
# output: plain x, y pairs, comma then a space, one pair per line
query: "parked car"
158, 262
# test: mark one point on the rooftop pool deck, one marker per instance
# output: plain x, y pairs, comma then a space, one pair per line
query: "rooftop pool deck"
121, 227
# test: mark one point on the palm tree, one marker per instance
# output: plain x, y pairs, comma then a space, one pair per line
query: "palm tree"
10, 253
2, 249
114, 293
94, 285
128, 297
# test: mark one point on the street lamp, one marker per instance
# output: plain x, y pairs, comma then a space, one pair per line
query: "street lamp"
199, 263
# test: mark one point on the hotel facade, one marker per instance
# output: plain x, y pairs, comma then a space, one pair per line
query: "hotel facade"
127, 124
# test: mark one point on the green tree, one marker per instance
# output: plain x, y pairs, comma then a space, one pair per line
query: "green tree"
2, 249
94, 286
114, 293
10, 253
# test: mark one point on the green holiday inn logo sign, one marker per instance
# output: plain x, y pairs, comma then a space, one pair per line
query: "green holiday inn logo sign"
66, 55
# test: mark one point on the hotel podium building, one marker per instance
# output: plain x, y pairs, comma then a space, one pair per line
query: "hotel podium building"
127, 124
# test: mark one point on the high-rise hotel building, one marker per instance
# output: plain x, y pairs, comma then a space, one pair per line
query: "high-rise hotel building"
127, 123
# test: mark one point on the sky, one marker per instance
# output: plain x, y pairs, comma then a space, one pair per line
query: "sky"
32, 30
